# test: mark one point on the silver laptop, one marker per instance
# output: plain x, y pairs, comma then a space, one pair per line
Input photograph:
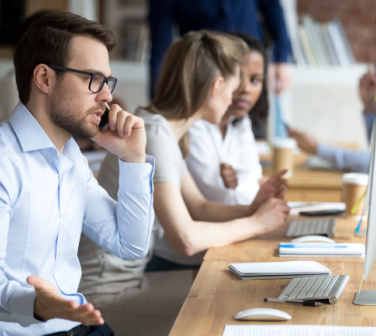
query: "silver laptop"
313, 226
317, 289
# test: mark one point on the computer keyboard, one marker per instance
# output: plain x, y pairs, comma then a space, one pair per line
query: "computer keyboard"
324, 289
312, 226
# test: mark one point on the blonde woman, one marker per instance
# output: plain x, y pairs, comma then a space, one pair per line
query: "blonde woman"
199, 75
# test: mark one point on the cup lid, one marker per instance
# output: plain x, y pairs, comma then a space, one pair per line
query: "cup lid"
284, 143
355, 178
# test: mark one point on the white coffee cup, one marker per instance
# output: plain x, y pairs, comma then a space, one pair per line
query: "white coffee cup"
354, 186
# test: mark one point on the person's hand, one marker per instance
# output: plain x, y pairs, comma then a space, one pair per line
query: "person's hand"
279, 77
229, 176
273, 187
272, 214
50, 304
125, 136
304, 141
367, 90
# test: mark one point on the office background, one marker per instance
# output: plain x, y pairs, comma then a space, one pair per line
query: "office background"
322, 100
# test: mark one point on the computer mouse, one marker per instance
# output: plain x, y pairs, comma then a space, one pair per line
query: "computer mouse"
313, 239
262, 314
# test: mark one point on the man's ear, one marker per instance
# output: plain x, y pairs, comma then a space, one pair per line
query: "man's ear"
216, 84
44, 77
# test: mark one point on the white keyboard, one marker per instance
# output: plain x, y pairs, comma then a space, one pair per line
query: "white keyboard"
325, 289
312, 226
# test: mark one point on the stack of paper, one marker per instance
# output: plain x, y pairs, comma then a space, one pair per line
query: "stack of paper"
321, 250
297, 330
277, 270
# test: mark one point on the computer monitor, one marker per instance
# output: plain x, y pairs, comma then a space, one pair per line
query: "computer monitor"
368, 297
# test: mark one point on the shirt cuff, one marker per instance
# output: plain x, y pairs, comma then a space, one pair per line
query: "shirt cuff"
137, 178
21, 306
325, 152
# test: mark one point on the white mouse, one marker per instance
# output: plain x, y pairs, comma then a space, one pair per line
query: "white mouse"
313, 238
262, 314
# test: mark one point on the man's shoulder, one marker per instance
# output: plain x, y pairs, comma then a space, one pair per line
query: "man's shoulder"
8, 140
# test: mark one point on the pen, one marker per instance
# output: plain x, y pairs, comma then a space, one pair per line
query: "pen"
304, 303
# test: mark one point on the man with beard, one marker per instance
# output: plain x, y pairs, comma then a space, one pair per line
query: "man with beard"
48, 195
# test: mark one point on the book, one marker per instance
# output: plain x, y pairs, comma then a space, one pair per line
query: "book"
278, 270
324, 42
338, 43
329, 44
321, 249
307, 50
313, 40
345, 41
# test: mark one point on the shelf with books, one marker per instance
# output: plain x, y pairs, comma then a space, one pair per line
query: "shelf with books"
321, 44
128, 20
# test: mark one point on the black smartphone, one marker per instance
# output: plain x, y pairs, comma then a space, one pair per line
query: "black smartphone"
104, 119
322, 212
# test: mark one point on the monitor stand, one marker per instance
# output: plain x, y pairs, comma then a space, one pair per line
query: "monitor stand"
365, 298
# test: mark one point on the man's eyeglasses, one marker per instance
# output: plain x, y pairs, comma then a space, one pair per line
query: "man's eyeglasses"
96, 82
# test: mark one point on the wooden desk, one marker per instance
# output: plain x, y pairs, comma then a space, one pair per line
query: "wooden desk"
307, 185
264, 248
217, 294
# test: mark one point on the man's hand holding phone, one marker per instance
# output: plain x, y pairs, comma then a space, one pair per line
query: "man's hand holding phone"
125, 135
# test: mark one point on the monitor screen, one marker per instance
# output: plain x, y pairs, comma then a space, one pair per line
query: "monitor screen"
368, 297
371, 203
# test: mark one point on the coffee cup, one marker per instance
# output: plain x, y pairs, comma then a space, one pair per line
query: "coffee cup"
354, 186
283, 155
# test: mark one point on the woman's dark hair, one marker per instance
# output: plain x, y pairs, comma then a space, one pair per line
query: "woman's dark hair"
259, 112
45, 38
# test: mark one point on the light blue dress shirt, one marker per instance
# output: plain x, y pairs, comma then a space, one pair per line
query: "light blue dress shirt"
369, 119
345, 159
46, 201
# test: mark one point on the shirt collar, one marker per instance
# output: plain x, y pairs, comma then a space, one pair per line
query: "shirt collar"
32, 136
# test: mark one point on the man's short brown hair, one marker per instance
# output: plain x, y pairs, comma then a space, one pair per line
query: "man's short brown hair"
47, 40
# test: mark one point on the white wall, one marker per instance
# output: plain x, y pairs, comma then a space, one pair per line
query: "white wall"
325, 103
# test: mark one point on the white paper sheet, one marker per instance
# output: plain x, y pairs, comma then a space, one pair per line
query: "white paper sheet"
296, 330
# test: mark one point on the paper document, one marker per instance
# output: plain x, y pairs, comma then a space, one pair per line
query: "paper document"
296, 330
321, 249
277, 270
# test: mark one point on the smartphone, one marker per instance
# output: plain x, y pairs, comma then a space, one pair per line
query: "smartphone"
322, 212
104, 120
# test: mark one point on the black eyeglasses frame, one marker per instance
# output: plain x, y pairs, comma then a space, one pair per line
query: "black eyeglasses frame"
105, 79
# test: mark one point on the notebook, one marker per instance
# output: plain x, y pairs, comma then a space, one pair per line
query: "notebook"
313, 226
277, 270
323, 289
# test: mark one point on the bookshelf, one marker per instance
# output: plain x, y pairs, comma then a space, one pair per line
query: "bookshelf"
128, 20
323, 97
321, 43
